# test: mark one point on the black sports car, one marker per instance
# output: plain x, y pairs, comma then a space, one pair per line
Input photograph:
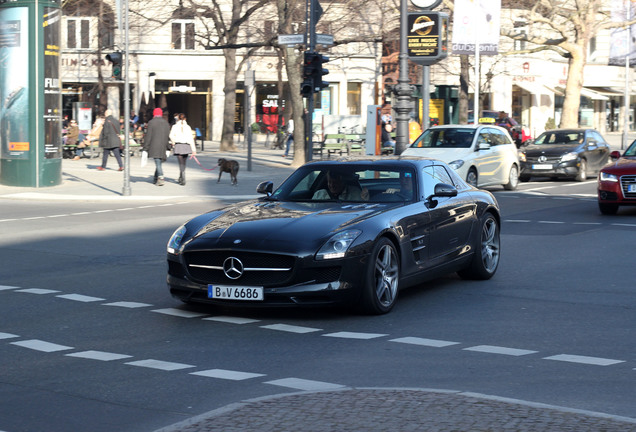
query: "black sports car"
340, 231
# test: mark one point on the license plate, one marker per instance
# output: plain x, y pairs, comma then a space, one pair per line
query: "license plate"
542, 166
631, 188
223, 292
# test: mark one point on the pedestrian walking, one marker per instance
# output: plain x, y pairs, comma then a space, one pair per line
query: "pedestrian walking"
110, 141
181, 136
290, 136
157, 143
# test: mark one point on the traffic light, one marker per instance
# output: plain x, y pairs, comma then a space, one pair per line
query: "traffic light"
307, 86
313, 73
319, 71
115, 59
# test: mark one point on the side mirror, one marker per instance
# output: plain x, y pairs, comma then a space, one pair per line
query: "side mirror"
615, 155
265, 187
441, 190
483, 146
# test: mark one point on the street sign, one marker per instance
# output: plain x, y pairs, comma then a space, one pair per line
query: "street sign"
324, 39
295, 39
427, 40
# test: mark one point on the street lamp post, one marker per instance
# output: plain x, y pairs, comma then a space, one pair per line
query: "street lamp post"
403, 88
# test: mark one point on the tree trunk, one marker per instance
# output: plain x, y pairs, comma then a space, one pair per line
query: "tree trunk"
572, 102
229, 105
462, 106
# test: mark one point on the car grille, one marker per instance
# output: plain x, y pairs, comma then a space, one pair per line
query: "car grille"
626, 182
269, 269
548, 159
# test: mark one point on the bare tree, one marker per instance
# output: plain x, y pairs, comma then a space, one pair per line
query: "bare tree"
565, 27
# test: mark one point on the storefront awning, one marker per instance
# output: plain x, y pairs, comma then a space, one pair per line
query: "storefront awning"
534, 88
585, 92
612, 91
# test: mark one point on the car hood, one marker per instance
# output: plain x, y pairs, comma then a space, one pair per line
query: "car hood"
622, 166
444, 154
549, 150
279, 226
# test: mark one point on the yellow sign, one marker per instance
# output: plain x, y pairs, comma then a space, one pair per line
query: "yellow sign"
18, 146
435, 110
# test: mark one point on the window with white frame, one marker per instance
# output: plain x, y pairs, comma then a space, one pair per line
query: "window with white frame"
78, 32
183, 35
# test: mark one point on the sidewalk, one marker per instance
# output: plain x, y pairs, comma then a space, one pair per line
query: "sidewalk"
381, 410
82, 181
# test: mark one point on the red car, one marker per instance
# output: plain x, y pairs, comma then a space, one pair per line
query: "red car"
617, 181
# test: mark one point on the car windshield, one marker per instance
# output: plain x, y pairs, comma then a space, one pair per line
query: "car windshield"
561, 137
445, 138
348, 183
631, 150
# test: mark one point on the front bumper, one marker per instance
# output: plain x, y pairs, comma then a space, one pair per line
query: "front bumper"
550, 169
309, 283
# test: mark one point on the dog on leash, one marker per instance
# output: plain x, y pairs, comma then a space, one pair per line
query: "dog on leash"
228, 166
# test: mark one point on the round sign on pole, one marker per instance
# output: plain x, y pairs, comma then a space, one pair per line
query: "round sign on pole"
426, 4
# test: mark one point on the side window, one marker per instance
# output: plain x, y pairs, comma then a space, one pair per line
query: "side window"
442, 175
484, 137
428, 181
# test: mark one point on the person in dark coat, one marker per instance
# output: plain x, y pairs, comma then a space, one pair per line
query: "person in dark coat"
110, 141
156, 143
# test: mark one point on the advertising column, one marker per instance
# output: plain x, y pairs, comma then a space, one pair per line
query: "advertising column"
30, 93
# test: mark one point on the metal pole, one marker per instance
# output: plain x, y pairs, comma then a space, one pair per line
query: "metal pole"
476, 80
403, 89
309, 145
126, 191
626, 96
426, 97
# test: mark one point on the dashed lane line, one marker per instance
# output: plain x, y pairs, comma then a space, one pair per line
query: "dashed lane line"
227, 374
584, 360
355, 335
80, 298
98, 355
490, 349
291, 328
305, 385
40, 345
161, 365
434, 343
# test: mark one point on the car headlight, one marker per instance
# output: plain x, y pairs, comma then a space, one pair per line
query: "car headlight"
522, 157
569, 156
456, 164
608, 177
337, 245
174, 244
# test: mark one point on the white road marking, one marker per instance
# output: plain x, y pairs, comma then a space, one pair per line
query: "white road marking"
161, 365
516, 221
307, 385
179, 313
290, 328
98, 355
231, 320
37, 291
39, 345
129, 305
7, 336
227, 374
587, 223
623, 225
355, 335
500, 350
6, 287
584, 360
80, 298
551, 222
424, 342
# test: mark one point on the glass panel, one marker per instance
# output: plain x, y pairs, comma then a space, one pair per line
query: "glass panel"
85, 33
71, 36
353, 98
176, 35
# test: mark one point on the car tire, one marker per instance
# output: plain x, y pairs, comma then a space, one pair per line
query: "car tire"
582, 175
472, 177
513, 178
383, 274
608, 209
487, 251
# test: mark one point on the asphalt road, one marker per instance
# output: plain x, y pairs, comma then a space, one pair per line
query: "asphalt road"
91, 340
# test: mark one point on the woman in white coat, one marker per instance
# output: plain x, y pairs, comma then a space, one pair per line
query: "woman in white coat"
181, 136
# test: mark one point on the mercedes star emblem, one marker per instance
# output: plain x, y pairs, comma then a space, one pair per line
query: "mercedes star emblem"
233, 268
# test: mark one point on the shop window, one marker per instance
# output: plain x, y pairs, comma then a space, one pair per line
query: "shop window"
354, 90
183, 35
78, 34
